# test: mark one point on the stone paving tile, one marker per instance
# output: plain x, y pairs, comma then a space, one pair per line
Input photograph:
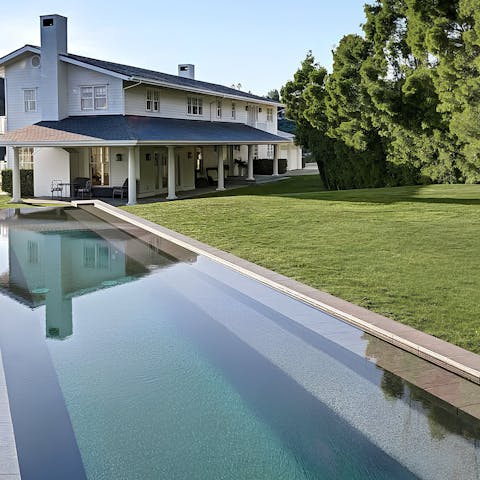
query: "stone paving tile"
8, 451
459, 395
473, 410
8, 460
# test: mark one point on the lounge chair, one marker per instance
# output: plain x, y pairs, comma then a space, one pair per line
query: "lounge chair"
123, 190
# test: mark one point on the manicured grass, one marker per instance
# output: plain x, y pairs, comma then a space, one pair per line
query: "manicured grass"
411, 253
4, 199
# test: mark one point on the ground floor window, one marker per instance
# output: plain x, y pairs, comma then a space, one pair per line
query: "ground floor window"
270, 151
25, 156
100, 166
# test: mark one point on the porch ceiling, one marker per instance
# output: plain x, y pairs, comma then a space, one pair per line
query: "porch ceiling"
136, 130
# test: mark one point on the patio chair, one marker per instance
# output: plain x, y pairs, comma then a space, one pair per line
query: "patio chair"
86, 190
78, 182
123, 190
56, 188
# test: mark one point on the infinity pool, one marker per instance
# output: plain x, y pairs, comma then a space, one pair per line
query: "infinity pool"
127, 357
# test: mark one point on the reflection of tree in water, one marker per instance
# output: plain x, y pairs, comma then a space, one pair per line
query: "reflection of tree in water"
392, 386
442, 418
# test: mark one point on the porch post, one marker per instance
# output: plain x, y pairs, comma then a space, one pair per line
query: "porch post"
171, 173
220, 159
132, 177
250, 163
16, 187
275, 160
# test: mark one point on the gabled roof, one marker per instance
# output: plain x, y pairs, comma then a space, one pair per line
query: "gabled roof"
13, 56
134, 74
137, 130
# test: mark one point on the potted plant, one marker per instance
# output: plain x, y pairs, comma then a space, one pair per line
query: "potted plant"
239, 166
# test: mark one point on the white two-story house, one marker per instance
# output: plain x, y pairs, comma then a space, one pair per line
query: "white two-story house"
76, 117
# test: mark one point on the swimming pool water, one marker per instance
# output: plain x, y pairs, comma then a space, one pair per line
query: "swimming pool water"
127, 361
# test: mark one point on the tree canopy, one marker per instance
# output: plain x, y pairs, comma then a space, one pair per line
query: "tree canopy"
402, 102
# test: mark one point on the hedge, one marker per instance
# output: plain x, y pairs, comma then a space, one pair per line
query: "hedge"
26, 182
264, 166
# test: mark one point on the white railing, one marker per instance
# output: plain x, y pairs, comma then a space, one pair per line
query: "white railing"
3, 124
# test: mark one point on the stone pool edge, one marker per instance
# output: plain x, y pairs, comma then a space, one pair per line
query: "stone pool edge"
439, 352
9, 467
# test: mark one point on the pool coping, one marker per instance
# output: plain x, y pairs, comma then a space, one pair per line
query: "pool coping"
439, 352
9, 466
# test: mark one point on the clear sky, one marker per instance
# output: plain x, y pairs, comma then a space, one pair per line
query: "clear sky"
259, 44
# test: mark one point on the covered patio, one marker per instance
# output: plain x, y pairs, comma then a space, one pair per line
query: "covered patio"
156, 155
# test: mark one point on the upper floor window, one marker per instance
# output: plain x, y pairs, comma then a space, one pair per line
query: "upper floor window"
93, 97
234, 111
269, 114
195, 105
152, 100
30, 99
219, 109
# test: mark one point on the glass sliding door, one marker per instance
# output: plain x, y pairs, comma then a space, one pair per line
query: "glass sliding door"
100, 166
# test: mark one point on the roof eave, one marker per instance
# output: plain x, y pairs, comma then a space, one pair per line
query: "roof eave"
132, 143
13, 56
70, 143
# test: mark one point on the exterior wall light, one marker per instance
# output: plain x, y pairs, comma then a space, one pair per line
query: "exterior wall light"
118, 157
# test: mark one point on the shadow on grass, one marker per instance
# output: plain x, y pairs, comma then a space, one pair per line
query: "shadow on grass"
310, 189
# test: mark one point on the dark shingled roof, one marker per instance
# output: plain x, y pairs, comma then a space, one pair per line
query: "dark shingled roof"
149, 129
154, 76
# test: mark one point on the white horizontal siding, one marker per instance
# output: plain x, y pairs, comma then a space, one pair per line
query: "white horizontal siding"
79, 76
173, 104
19, 76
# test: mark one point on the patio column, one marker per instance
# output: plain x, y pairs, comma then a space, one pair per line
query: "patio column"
250, 163
132, 176
171, 173
16, 186
275, 160
220, 158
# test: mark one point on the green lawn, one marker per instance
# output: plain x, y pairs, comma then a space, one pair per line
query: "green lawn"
411, 253
4, 199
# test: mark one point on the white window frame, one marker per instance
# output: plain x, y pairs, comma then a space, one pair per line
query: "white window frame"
234, 111
152, 100
30, 99
90, 95
98, 96
25, 156
195, 106
269, 151
269, 114
219, 109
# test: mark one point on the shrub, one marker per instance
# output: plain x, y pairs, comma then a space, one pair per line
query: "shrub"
264, 166
26, 182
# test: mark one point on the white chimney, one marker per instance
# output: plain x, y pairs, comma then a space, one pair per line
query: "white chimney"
186, 70
53, 82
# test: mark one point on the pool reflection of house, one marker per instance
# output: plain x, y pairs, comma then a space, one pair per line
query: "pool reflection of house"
78, 261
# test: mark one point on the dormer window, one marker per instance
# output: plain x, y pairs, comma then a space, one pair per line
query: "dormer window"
219, 109
93, 97
30, 99
195, 106
152, 100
